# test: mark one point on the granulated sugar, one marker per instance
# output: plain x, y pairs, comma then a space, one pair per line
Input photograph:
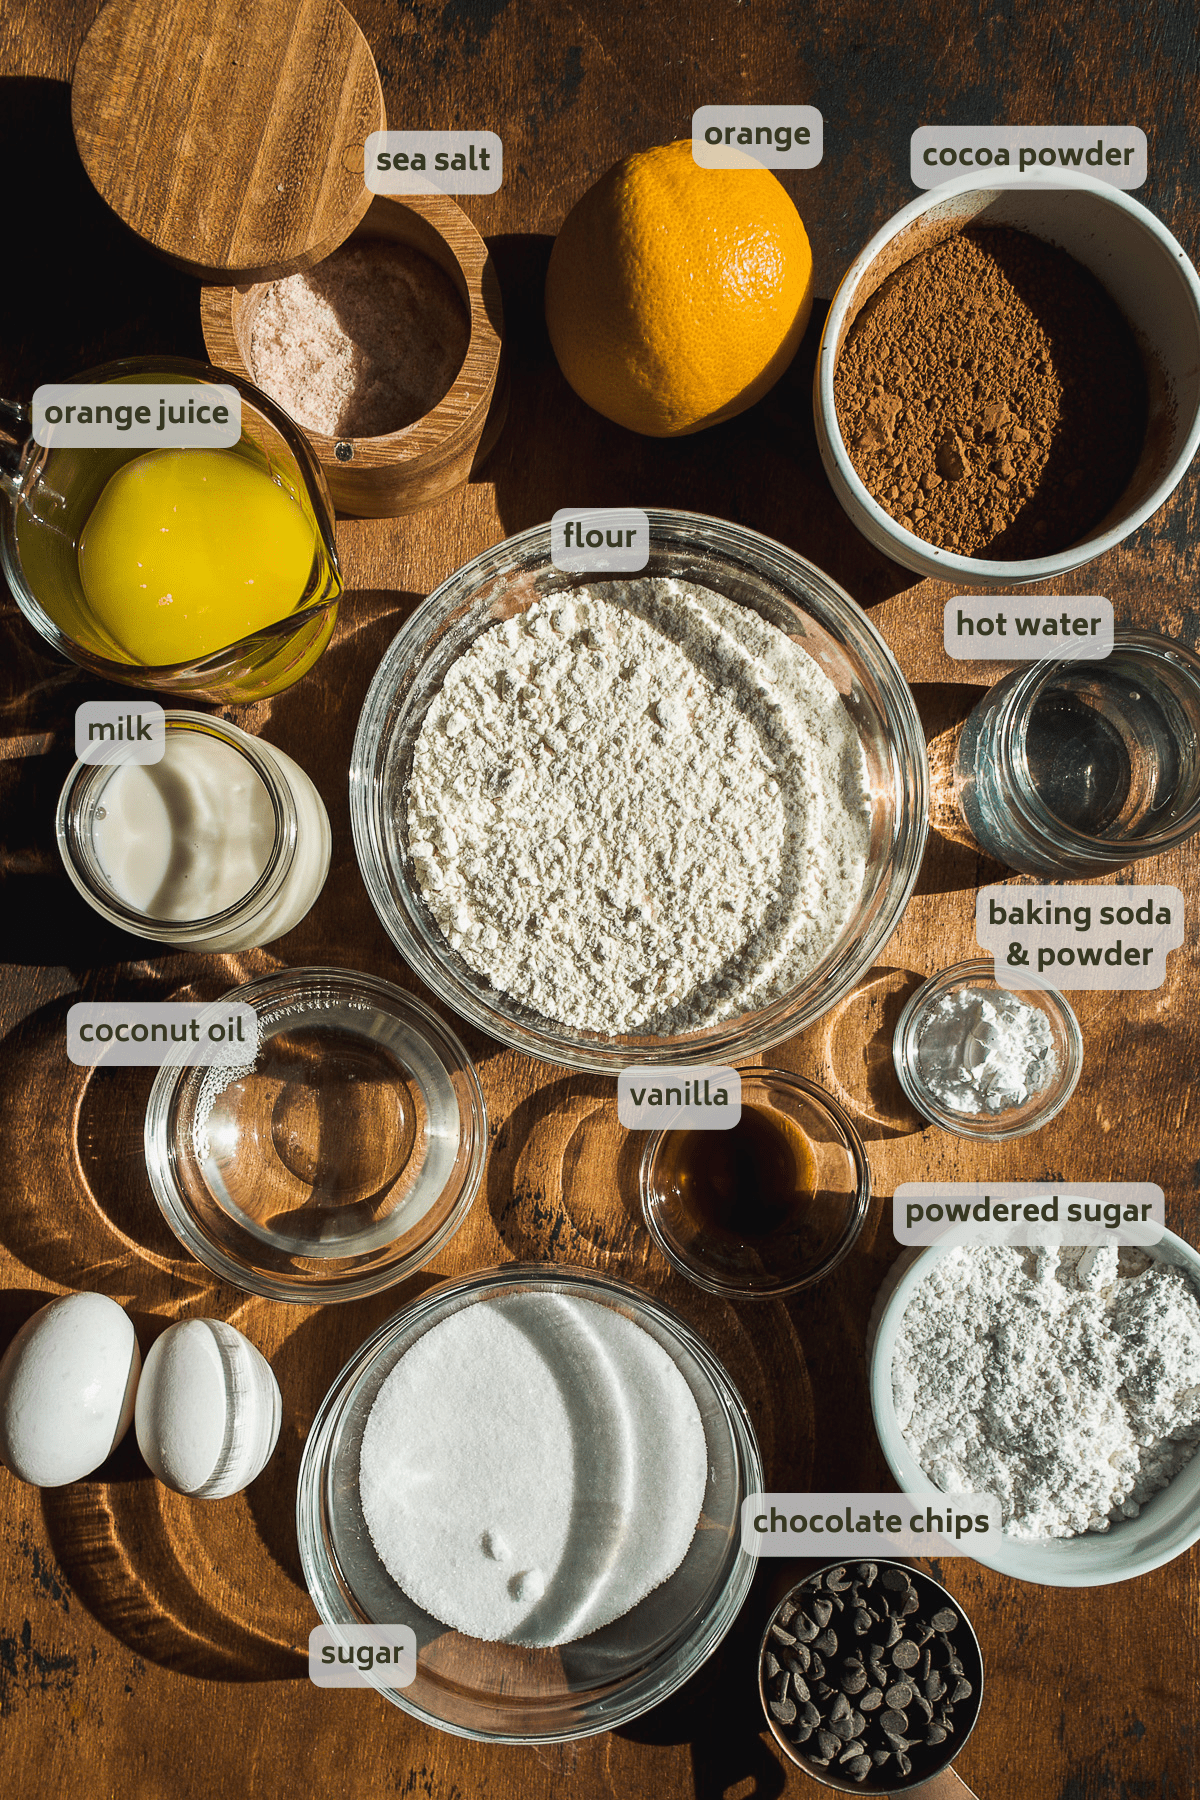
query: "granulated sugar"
639, 807
363, 344
1065, 1382
532, 1468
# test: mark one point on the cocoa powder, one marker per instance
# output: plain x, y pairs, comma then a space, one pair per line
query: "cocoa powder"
991, 396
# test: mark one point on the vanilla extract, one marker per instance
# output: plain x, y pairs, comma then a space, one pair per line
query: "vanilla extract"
753, 1182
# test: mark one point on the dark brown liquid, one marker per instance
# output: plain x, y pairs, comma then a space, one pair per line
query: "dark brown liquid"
752, 1182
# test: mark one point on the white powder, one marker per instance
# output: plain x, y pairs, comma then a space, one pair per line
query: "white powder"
984, 1051
363, 344
532, 1468
639, 807
1065, 1382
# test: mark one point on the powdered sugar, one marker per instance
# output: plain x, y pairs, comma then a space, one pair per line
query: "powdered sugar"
1065, 1382
639, 807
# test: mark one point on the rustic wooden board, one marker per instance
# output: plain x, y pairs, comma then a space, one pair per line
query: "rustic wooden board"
154, 1647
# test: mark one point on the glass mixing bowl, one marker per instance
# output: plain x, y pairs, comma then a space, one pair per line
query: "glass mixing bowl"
505, 1692
783, 589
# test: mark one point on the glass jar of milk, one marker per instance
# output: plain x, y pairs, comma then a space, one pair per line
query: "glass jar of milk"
224, 844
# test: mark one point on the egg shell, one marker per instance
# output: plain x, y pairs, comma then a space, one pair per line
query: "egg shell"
208, 1409
67, 1386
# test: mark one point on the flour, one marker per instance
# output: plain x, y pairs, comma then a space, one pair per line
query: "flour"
985, 1052
1065, 1382
639, 807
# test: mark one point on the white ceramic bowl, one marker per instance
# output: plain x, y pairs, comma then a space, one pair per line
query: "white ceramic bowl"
1148, 275
1166, 1526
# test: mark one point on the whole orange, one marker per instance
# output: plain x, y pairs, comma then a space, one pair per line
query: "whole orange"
676, 295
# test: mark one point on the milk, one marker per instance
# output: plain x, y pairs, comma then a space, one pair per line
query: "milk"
222, 845
187, 837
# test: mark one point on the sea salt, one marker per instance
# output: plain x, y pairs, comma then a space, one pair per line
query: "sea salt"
1065, 1382
364, 343
532, 1468
639, 807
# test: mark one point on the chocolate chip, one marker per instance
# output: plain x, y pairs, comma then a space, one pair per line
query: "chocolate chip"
861, 1622
806, 1631
895, 1579
893, 1720
822, 1611
904, 1762
871, 1700
853, 1681
879, 1757
961, 1690
899, 1694
935, 1733
784, 1711
906, 1655
868, 1571
816, 1668
781, 1636
800, 1687
840, 1708
895, 1740
800, 1732
859, 1767
858, 1722
828, 1744
809, 1715
770, 1665
926, 1662
945, 1620
895, 1632
842, 1728
837, 1581
793, 1661
787, 1612
922, 1705
853, 1748
935, 1687
827, 1643
910, 1602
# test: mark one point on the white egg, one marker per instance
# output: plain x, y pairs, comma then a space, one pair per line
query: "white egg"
208, 1409
67, 1385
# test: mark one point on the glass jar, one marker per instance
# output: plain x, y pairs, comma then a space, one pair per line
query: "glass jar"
295, 869
1072, 769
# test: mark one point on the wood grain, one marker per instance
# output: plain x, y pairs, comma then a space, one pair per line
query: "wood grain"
229, 133
152, 1648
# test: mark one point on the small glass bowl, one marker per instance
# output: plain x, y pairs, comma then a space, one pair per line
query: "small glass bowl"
932, 1596
505, 1693
1015, 1121
794, 1255
336, 1164
783, 589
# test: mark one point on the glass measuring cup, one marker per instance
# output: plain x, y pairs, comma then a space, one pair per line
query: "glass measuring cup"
51, 495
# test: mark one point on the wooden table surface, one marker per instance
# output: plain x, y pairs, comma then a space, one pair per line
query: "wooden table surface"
151, 1646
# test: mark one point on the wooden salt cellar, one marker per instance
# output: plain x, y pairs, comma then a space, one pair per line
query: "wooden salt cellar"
230, 136
381, 476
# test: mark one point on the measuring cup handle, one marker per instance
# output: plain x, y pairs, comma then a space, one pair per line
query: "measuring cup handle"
16, 424
946, 1786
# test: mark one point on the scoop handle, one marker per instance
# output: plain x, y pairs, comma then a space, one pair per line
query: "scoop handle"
946, 1786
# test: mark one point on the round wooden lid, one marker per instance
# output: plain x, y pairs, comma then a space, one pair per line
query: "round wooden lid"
229, 133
